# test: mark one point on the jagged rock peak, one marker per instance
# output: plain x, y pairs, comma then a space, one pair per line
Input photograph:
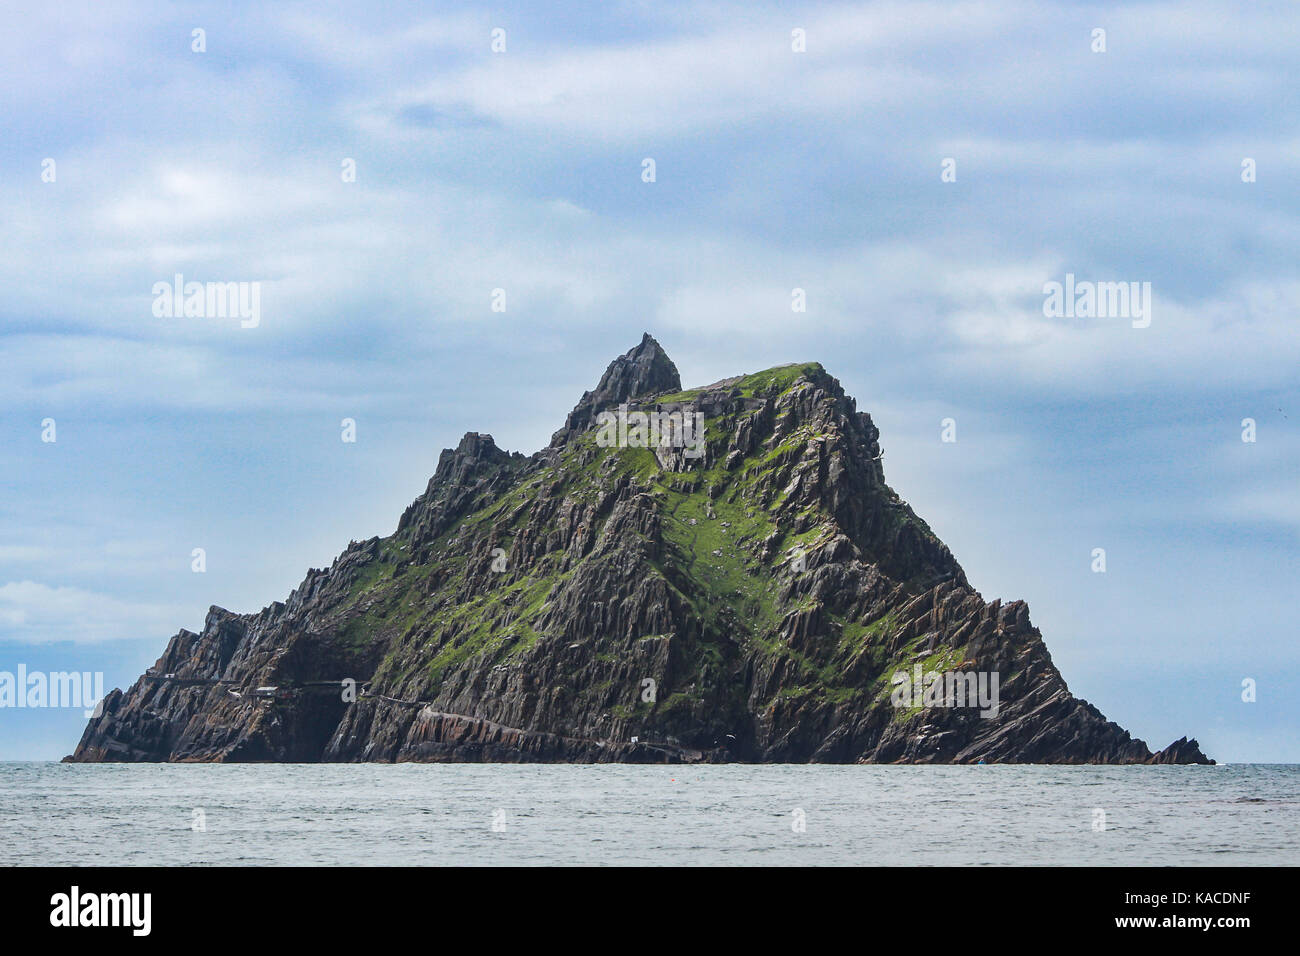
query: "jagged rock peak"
643, 370
474, 452
478, 445
476, 462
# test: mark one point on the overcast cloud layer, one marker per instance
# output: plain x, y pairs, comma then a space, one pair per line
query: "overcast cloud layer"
775, 170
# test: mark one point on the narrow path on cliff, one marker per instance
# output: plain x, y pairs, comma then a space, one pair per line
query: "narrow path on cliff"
493, 725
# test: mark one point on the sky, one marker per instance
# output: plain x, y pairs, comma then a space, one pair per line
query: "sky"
921, 171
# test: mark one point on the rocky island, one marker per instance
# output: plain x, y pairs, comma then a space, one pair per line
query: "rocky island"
706, 575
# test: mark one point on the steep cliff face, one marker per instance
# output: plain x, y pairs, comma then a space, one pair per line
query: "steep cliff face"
750, 598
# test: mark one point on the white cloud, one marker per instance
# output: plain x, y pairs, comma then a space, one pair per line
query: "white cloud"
35, 613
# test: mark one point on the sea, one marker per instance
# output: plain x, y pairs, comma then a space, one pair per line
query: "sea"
657, 815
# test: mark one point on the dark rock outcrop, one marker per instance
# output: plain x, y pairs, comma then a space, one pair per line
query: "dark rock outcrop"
1181, 750
757, 598
644, 370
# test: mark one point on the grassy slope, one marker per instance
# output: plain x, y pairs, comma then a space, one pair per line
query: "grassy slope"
713, 564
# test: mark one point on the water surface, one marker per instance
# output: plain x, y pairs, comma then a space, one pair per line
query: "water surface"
442, 814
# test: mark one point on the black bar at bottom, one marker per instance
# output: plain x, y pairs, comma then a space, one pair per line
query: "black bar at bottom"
362, 906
